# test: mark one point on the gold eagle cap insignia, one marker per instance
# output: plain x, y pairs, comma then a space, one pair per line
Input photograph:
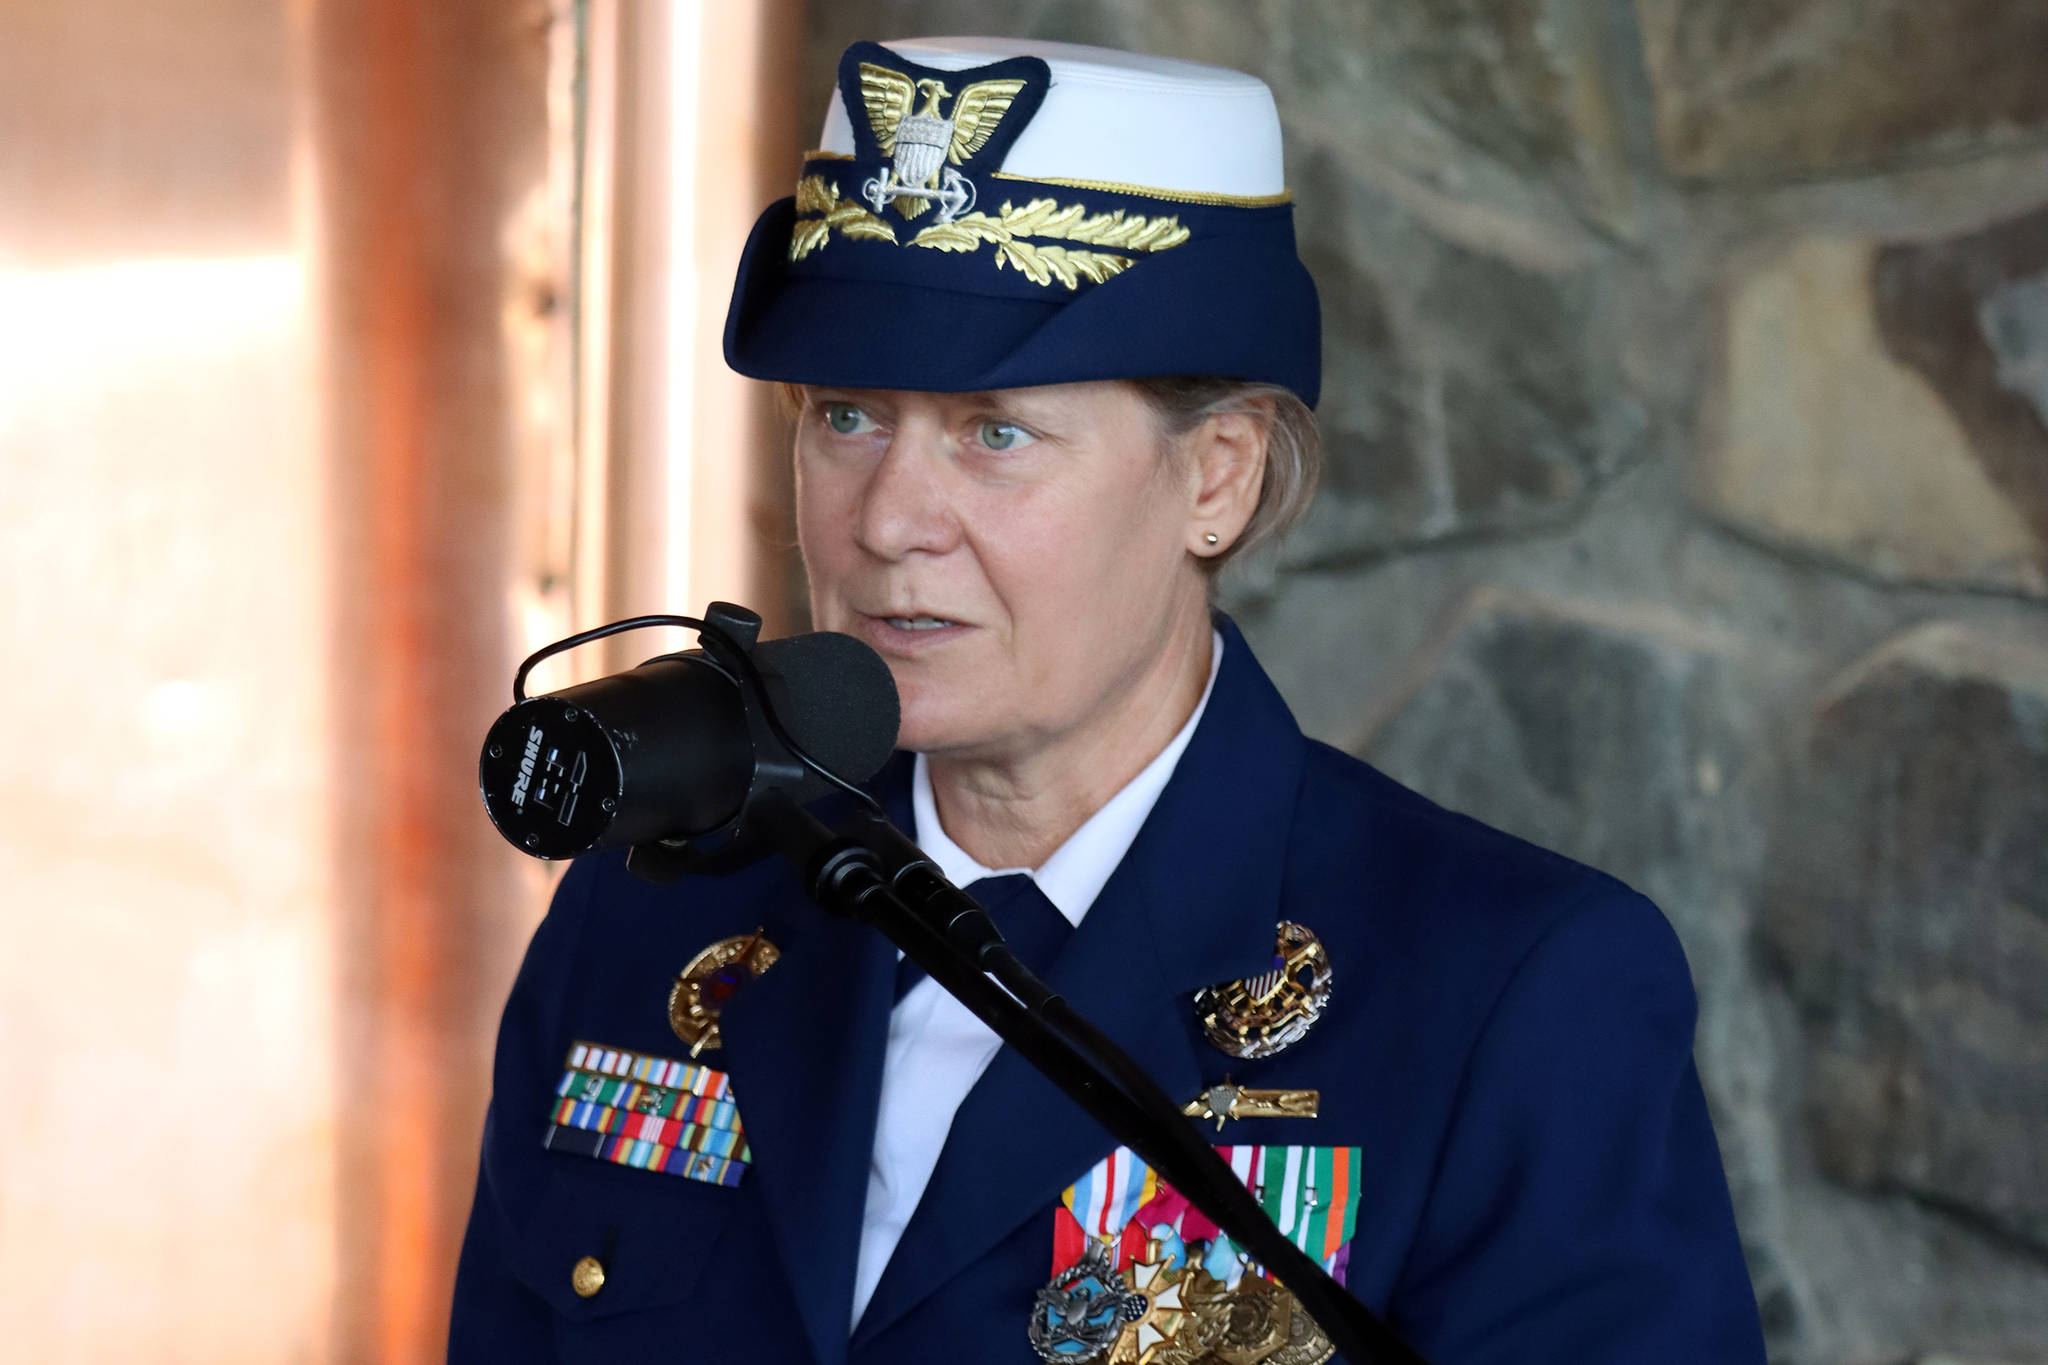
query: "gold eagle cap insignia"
920, 141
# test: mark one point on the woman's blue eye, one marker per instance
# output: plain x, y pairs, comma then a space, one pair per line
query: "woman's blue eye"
1005, 436
846, 419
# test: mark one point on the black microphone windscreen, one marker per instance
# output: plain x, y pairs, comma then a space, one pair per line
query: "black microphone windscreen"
836, 699
664, 752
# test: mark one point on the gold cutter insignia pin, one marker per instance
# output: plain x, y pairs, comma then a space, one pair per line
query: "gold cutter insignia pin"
1264, 1014
711, 979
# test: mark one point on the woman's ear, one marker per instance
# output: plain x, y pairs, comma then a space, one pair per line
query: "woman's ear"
1227, 453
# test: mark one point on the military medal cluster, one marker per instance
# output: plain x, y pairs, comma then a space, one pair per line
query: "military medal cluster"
1192, 1320
1141, 1277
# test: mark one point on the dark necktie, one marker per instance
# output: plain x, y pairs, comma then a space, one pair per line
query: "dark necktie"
1032, 925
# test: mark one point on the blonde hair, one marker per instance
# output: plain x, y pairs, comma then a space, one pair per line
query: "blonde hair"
1294, 446
1181, 403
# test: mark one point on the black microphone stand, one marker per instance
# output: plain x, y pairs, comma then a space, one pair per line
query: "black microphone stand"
871, 873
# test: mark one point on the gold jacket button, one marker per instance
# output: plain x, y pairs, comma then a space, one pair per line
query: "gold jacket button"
587, 1278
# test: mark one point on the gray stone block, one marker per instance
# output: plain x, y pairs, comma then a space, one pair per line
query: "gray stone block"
1605, 732
1907, 912
1530, 86
1466, 394
1749, 90
1881, 405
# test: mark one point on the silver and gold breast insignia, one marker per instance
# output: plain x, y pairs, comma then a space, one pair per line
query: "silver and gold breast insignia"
1264, 1014
1227, 1101
712, 978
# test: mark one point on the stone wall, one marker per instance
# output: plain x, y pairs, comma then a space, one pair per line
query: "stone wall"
1687, 511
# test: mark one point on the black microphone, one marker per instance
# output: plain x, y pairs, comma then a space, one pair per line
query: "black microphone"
673, 750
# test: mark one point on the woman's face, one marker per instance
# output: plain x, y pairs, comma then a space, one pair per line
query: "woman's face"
1020, 558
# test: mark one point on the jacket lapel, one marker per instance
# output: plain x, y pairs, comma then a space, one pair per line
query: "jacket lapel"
1194, 902
804, 1045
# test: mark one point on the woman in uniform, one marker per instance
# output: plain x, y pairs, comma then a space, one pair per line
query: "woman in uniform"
1054, 359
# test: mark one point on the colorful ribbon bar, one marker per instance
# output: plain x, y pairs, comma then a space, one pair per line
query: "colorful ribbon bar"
661, 1071
647, 1156
1310, 1193
651, 1113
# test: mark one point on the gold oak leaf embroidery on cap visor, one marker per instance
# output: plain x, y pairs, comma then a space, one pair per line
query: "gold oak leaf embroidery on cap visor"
1007, 231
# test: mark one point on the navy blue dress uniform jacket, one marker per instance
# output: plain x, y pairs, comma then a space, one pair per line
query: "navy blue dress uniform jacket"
1508, 1043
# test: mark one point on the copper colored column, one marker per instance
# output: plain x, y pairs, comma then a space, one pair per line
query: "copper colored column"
756, 114
728, 78
429, 127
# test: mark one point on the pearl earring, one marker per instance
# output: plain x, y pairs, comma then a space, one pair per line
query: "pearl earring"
1209, 538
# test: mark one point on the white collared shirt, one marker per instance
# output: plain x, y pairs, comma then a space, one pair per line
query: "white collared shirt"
937, 1050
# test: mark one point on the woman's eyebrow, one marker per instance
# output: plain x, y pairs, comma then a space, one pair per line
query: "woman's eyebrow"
1023, 406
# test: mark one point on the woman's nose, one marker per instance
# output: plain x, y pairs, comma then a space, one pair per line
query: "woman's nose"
907, 505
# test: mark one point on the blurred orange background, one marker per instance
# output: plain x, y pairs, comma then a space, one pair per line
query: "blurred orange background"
351, 351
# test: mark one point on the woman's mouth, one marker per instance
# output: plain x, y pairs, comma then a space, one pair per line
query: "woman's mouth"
910, 633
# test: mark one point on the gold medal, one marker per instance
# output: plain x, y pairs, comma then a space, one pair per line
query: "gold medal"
1227, 1101
713, 977
1241, 1326
1142, 1337
1306, 1344
1264, 1014
1257, 1323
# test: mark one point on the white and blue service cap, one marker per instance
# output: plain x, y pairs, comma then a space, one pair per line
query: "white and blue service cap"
991, 213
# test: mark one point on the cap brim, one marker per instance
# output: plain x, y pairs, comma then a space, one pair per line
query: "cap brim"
1229, 308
